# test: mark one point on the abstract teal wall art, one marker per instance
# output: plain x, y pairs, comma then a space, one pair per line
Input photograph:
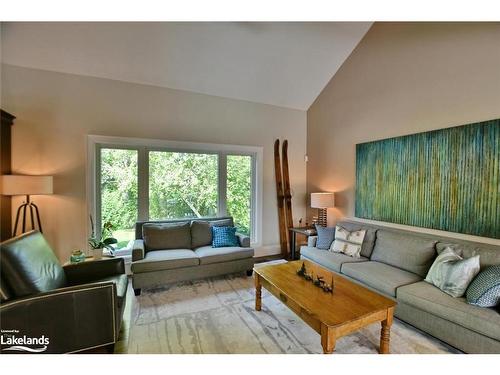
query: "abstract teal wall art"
447, 179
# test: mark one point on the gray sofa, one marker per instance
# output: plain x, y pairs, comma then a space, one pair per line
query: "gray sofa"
395, 262
179, 250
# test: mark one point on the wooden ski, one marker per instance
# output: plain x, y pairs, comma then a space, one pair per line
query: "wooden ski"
286, 189
281, 201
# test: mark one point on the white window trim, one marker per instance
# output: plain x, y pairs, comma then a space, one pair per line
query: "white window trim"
145, 144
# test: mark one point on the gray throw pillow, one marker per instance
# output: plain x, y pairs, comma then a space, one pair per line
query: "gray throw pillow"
451, 273
326, 236
166, 236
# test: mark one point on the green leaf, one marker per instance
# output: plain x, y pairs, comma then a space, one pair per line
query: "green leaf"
110, 241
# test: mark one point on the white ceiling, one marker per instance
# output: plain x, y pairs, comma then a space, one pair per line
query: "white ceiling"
283, 64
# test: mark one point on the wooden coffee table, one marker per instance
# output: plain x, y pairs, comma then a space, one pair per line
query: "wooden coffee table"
349, 308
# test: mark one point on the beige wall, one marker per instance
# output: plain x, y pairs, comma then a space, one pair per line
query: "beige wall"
56, 111
402, 78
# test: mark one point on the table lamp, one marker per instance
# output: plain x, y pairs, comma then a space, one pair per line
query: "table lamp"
26, 185
322, 201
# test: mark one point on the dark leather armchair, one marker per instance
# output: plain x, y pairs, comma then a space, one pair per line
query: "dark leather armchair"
76, 307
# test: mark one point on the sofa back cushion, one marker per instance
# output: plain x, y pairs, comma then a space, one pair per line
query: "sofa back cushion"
489, 255
404, 250
29, 266
201, 231
166, 236
369, 240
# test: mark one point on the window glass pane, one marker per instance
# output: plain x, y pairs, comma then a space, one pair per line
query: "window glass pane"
119, 192
239, 191
182, 185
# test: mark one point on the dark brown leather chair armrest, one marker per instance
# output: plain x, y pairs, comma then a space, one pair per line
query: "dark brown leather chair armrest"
87, 272
73, 319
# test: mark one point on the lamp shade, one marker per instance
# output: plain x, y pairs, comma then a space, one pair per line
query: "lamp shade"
25, 185
322, 200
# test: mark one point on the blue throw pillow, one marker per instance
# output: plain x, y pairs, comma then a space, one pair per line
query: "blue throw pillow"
224, 237
484, 290
326, 235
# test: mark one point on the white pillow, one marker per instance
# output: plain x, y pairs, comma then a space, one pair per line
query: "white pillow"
451, 273
348, 243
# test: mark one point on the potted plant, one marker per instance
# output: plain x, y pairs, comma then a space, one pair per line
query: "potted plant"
103, 240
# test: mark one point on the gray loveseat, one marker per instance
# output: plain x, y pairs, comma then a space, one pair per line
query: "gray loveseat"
178, 250
395, 262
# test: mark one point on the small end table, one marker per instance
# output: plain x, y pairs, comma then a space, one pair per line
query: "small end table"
305, 231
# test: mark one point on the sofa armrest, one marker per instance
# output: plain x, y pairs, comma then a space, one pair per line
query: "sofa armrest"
71, 319
138, 250
243, 239
87, 272
311, 241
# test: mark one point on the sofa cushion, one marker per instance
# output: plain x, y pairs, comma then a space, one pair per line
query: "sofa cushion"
380, 276
209, 254
166, 236
159, 260
489, 255
369, 240
428, 298
328, 259
411, 253
201, 231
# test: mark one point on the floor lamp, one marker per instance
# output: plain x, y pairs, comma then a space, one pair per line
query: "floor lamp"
322, 201
26, 185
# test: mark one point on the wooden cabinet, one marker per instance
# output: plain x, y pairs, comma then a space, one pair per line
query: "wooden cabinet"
5, 168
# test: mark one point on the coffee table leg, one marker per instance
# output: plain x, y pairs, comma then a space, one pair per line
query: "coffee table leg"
385, 333
328, 339
258, 292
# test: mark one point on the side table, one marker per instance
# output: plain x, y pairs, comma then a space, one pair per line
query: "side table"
305, 231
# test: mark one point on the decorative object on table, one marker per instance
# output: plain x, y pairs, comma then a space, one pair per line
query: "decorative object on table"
484, 290
27, 185
319, 281
224, 237
434, 176
451, 273
348, 243
326, 235
322, 201
293, 238
101, 241
283, 194
77, 256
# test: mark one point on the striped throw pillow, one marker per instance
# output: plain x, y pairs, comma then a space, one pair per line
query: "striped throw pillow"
348, 243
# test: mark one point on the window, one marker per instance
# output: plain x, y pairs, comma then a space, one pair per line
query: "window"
139, 179
118, 187
182, 185
239, 191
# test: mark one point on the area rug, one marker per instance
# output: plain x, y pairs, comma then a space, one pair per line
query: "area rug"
217, 315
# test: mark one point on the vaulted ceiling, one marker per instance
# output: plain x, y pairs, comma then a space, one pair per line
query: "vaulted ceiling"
283, 64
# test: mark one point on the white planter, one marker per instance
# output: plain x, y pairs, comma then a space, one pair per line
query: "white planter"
97, 253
